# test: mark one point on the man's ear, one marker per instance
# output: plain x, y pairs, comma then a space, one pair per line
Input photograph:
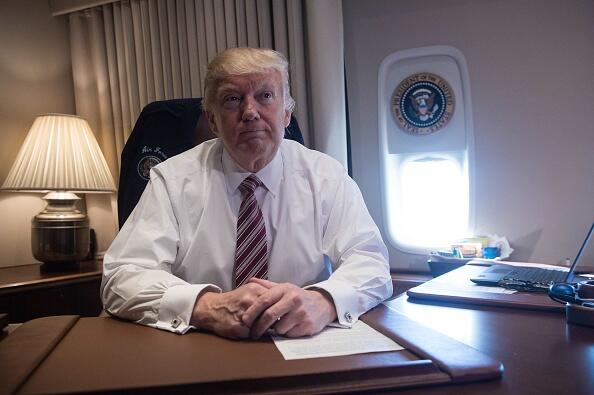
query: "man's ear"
287, 118
211, 122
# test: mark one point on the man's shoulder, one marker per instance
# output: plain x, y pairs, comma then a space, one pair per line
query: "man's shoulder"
201, 158
301, 159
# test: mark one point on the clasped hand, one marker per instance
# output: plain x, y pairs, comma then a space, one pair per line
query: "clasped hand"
259, 305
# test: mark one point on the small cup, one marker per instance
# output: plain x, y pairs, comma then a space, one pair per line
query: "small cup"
490, 252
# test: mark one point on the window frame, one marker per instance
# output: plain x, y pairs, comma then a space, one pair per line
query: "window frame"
384, 93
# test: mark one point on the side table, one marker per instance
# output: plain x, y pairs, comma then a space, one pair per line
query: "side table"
31, 291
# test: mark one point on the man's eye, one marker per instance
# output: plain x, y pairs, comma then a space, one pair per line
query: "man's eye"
231, 101
267, 95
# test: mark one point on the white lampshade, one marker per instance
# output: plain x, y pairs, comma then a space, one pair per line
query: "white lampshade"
60, 153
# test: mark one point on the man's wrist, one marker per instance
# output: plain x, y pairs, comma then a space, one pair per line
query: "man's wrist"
201, 317
327, 302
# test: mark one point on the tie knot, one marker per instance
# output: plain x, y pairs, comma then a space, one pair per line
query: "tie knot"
250, 184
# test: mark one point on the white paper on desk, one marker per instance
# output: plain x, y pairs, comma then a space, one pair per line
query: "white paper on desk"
359, 339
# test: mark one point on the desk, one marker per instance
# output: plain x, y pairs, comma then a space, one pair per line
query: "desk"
28, 292
541, 353
403, 281
66, 354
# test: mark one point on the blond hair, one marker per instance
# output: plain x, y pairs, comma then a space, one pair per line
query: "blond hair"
241, 61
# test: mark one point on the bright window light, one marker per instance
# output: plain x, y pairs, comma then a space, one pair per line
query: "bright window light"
431, 202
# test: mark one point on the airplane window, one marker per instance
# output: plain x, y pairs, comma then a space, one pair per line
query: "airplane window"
429, 202
426, 146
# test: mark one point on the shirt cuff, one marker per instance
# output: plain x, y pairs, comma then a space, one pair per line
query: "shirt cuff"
177, 305
345, 301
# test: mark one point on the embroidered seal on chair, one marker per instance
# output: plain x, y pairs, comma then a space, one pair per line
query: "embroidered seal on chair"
149, 157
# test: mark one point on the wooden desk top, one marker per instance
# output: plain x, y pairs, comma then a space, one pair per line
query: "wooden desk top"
66, 354
542, 354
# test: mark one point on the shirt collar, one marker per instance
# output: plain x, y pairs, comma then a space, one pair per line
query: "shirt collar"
270, 175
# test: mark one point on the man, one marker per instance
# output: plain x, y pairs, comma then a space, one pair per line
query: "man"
247, 232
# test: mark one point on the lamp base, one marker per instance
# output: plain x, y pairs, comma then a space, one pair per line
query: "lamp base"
60, 233
59, 267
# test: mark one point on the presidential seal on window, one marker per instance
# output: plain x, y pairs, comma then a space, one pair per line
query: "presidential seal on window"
423, 103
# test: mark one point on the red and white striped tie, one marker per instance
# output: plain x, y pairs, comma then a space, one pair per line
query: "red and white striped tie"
251, 257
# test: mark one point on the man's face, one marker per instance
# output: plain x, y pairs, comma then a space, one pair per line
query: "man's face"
250, 117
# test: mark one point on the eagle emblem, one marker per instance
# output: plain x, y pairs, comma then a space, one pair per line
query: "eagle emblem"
147, 158
422, 103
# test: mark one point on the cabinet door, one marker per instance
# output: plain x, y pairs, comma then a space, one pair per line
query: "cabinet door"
79, 299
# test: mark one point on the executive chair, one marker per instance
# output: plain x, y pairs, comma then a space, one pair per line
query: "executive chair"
164, 129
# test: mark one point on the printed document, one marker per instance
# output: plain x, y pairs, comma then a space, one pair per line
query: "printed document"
359, 339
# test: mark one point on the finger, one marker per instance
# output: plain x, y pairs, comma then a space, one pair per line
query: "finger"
265, 283
297, 331
252, 287
232, 330
248, 293
285, 324
280, 312
267, 320
262, 303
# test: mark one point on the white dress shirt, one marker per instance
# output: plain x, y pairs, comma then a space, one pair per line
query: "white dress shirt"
180, 239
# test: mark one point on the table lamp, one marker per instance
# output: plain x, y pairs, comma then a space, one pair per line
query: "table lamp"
60, 156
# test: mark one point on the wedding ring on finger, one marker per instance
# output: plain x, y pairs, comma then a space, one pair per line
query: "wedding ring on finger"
276, 317
271, 330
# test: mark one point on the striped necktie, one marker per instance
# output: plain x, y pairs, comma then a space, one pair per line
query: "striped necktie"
251, 258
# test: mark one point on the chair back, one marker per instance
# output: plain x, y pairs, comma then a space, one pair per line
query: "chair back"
164, 129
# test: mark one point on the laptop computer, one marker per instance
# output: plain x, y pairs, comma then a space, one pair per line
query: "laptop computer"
534, 277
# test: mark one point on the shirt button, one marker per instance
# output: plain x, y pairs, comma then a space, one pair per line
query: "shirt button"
348, 317
175, 323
